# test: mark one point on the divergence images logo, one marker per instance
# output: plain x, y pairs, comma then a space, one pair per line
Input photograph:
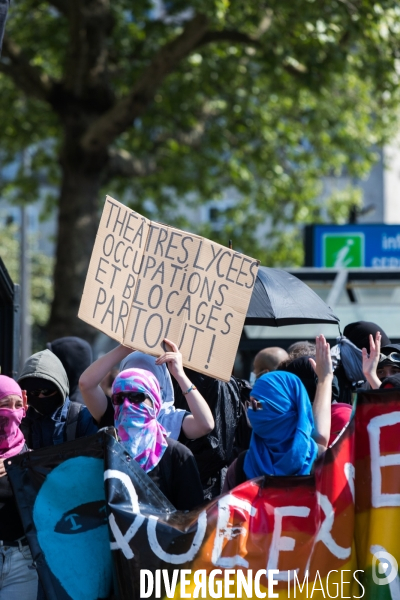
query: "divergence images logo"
384, 566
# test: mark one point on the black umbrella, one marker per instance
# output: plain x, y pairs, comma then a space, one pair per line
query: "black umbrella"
280, 298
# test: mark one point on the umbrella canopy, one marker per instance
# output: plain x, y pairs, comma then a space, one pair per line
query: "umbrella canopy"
280, 298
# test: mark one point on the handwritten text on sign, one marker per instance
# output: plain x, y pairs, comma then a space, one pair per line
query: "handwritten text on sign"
147, 281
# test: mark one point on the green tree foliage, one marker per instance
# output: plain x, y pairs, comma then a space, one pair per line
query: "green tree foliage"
180, 103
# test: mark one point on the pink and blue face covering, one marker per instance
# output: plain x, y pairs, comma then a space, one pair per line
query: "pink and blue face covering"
11, 437
171, 418
138, 429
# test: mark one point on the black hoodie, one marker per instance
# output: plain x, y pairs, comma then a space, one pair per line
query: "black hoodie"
75, 355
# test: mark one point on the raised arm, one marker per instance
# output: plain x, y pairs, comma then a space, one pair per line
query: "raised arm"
201, 421
89, 382
370, 361
322, 403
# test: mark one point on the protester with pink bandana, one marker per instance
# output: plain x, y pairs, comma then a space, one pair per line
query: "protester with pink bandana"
193, 425
133, 409
18, 576
136, 421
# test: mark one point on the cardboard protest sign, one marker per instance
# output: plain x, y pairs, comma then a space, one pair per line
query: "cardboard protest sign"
147, 281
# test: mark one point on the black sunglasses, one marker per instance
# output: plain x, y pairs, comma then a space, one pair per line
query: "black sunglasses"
45, 392
133, 397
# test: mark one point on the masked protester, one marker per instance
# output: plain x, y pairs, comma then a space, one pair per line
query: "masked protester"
380, 363
18, 576
389, 362
347, 355
288, 434
52, 418
134, 408
137, 402
193, 423
171, 418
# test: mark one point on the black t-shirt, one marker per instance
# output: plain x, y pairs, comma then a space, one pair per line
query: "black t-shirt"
176, 475
107, 420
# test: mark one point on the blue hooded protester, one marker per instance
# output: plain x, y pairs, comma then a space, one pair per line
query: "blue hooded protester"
281, 443
288, 433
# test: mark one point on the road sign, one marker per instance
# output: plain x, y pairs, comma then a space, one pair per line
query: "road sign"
352, 246
343, 250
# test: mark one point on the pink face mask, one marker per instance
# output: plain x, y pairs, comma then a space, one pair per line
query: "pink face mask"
11, 437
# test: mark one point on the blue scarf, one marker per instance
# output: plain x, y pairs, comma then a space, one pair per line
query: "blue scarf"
281, 442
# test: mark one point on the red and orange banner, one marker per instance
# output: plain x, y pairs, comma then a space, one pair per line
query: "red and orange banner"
333, 534
320, 536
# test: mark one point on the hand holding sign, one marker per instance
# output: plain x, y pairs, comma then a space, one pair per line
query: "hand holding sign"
173, 359
201, 421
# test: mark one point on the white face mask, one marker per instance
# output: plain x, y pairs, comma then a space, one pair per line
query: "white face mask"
252, 378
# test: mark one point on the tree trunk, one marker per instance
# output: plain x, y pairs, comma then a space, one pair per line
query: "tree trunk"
77, 225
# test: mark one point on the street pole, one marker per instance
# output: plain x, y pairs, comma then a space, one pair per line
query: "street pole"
26, 329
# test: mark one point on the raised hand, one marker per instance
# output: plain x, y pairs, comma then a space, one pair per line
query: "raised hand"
200, 421
173, 359
322, 364
370, 361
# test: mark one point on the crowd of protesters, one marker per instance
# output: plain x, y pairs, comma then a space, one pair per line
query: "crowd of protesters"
193, 435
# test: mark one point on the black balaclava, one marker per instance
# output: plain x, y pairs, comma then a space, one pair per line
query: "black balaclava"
359, 333
46, 405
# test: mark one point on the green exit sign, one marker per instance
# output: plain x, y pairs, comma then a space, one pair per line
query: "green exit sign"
343, 250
